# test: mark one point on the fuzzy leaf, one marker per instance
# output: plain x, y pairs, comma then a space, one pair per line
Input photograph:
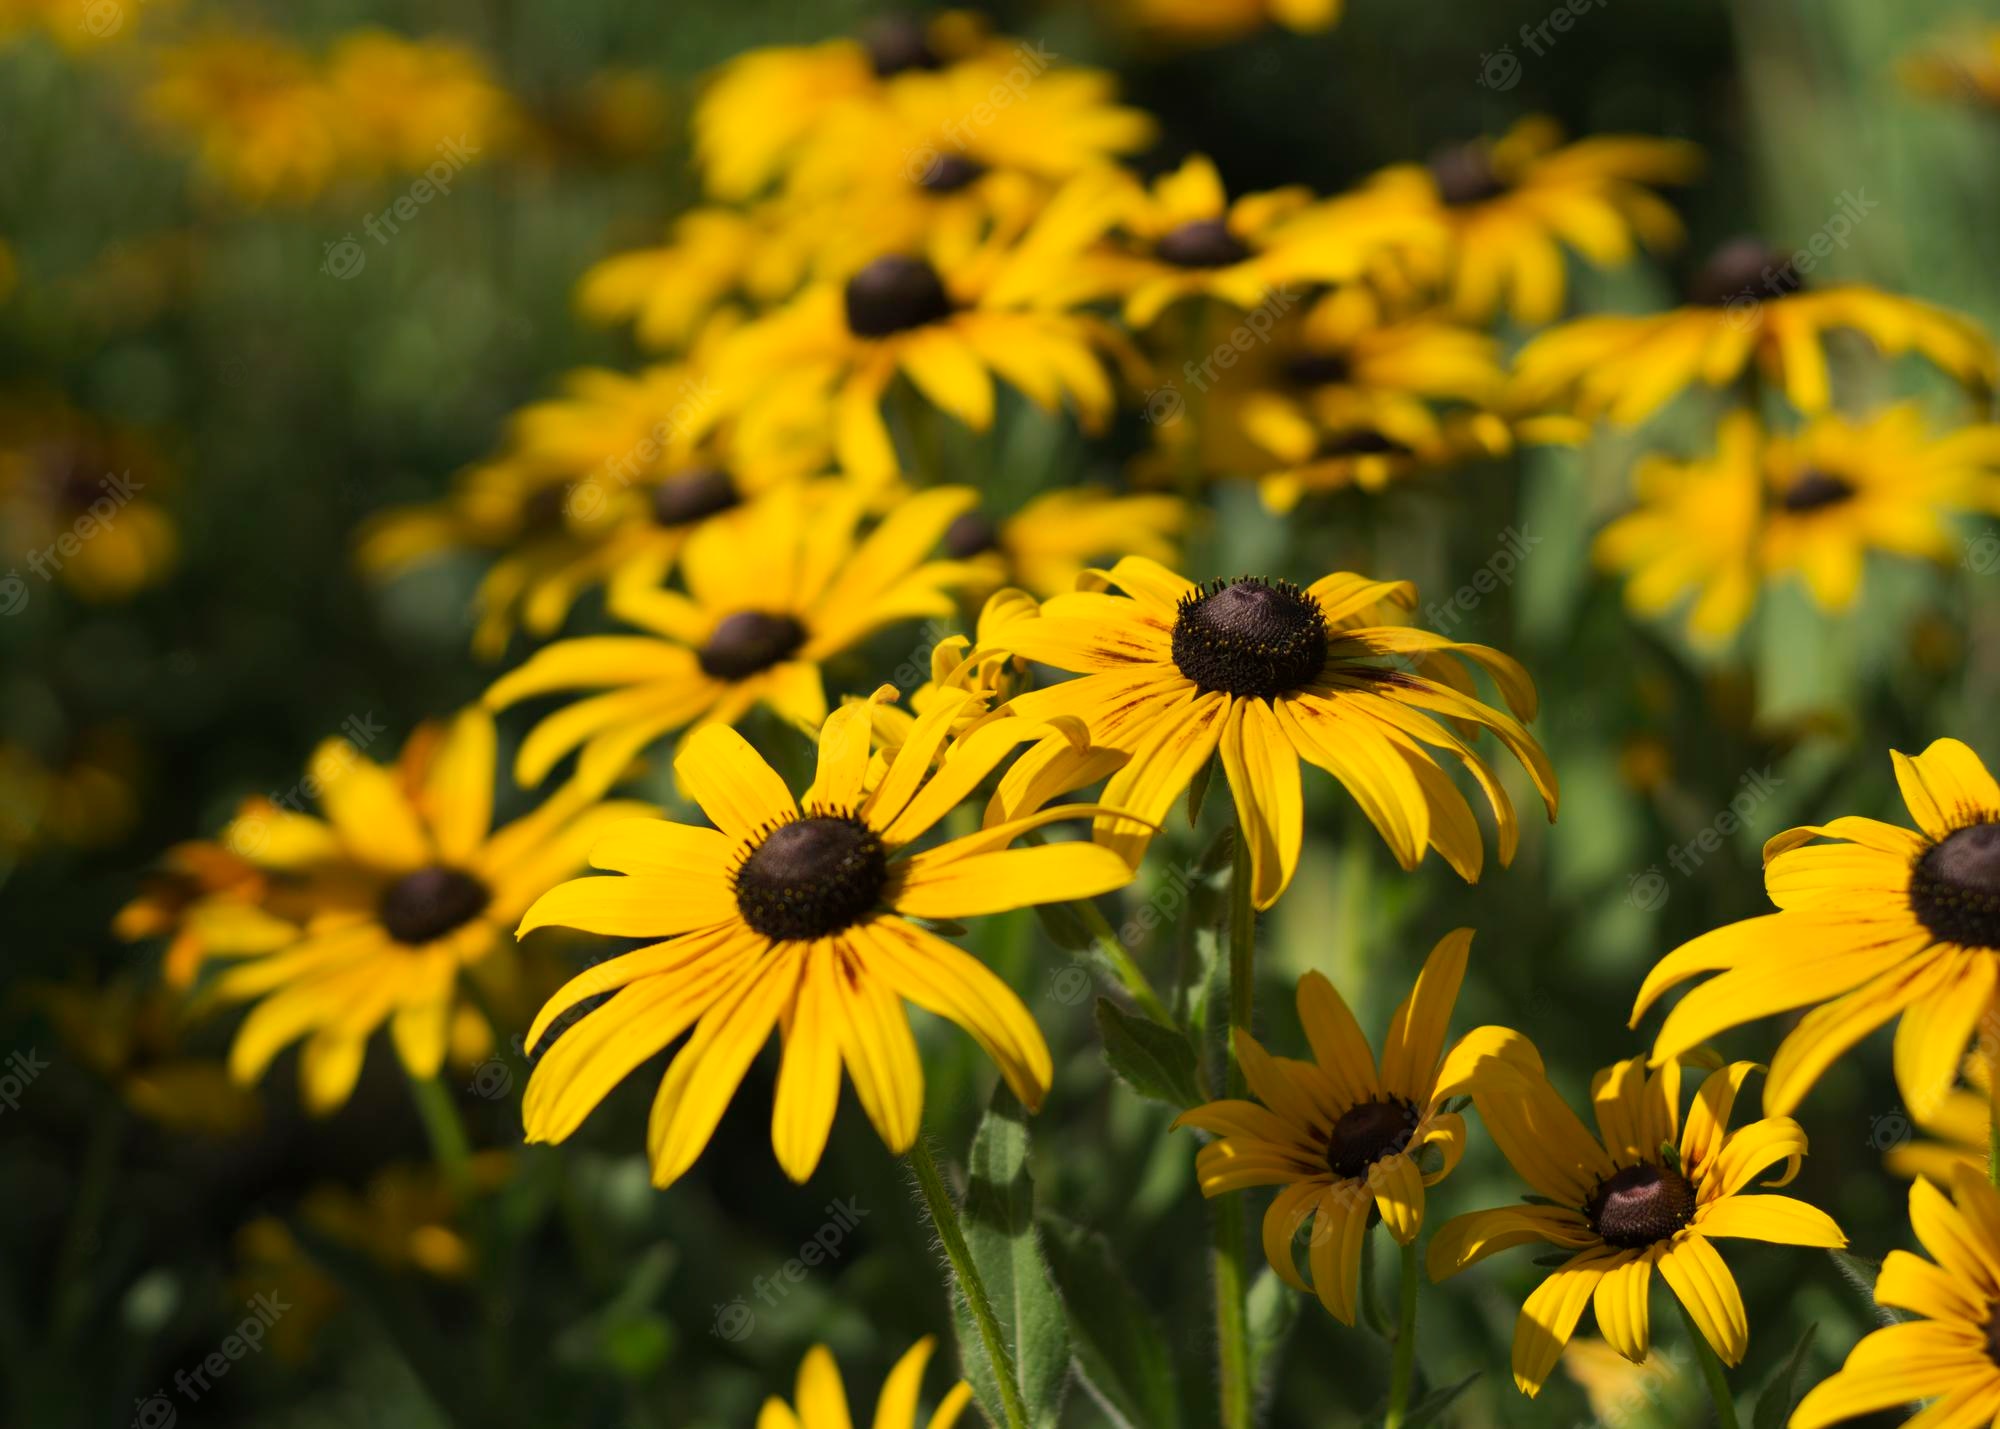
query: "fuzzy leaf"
1155, 1061
1121, 1353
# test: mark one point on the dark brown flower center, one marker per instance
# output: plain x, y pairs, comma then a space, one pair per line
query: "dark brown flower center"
76, 475
897, 43
970, 535
1464, 174
1743, 270
1815, 490
694, 496
1202, 243
1364, 442
1368, 1131
422, 907
1955, 887
1250, 637
1640, 1205
543, 510
948, 173
893, 295
748, 642
1993, 1334
1319, 369
812, 877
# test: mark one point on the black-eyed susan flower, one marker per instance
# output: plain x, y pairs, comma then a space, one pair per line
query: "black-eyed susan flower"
1514, 204
713, 259
80, 501
1054, 537
1183, 237
1875, 923
255, 111
798, 913
1748, 305
949, 318
774, 590
382, 905
820, 1401
397, 101
1948, 1354
1648, 1191
1967, 69
1271, 674
86, 794
1345, 1135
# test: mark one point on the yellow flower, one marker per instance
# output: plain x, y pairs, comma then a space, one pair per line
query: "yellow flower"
1050, 541
774, 590
79, 499
87, 798
1748, 305
398, 101
1272, 674
1214, 22
1344, 1135
1946, 1356
1967, 68
949, 319
1183, 237
820, 1401
1646, 1191
711, 257
403, 886
189, 874
1880, 921
1514, 203
256, 111
798, 913
1621, 1392
764, 109
1962, 1120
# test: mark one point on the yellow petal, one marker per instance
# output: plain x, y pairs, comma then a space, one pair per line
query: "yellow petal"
1549, 1316
1946, 788
1339, 1235
1399, 1195
881, 1056
365, 804
1623, 1316
1415, 1043
809, 1073
1779, 1220
896, 1408
1011, 878
738, 791
1701, 1282
1263, 774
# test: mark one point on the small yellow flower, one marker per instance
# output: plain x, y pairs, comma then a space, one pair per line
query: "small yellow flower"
1875, 923
1344, 1134
1646, 1191
80, 501
1947, 1356
1270, 674
1214, 22
820, 1401
798, 913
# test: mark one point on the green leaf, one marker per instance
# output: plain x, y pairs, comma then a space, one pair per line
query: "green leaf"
1430, 1409
1065, 929
1155, 1061
999, 1220
1121, 1352
1780, 1393
1860, 1272
1272, 1309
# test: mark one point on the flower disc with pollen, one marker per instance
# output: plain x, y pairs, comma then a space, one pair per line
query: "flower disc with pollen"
694, 496
893, 295
1641, 1205
1202, 243
1366, 1132
812, 877
422, 907
1815, 490
1955, 887
1250, 638
749, 641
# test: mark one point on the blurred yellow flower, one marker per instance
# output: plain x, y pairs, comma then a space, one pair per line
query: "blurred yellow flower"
1647, 1191
88, 798
1346, 1136
80, 501
1212, 22
131, 1036
1053, 537
820, 1401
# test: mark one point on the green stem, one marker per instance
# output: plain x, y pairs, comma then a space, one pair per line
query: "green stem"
1404, 1363
1129, 973
1232, 1324
944, 1215
449, 1145
1711, 1370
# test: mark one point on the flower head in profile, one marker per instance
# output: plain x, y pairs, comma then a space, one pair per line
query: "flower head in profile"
1346, 1136
799, 913
774, 590
1513, 204
1874, 922
1813, 505
820, 1401
370, 915
1648, 1191
1268, 674
1748, 305
1948, 1354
